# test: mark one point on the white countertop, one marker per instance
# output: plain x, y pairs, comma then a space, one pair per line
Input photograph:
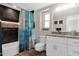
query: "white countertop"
62, 35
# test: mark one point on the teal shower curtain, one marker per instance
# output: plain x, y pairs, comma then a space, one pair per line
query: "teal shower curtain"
32, 30
25, 29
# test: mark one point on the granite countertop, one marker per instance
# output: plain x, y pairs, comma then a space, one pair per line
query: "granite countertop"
65, 36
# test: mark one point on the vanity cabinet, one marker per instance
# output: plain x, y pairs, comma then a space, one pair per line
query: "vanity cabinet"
60, 46
56, 46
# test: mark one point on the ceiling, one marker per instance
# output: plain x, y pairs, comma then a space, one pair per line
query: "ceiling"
32, 6
27, 6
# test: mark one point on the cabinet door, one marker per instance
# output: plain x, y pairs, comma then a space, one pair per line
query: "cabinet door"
73, 50
49, 48
74, 42
61, 49
56, 49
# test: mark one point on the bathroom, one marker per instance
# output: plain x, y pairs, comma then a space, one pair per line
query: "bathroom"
50, 30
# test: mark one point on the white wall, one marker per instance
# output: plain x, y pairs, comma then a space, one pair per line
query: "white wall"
38, 22
67, 12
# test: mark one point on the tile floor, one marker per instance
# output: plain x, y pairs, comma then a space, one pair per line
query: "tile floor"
32, 52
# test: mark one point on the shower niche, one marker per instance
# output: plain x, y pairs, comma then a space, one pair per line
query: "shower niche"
10, 35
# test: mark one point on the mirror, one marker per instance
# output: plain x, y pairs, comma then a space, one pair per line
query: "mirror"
72, 23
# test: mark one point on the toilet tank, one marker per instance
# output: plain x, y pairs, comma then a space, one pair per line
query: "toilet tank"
43, 39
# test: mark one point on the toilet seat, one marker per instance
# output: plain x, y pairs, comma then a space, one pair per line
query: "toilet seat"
39, 47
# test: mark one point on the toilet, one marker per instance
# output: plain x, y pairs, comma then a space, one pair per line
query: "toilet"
41, 45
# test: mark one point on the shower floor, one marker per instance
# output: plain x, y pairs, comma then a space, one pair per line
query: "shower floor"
32, 52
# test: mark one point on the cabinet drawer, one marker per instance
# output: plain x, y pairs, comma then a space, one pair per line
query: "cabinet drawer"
73, 42
73, 51
57, 39
60, 40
